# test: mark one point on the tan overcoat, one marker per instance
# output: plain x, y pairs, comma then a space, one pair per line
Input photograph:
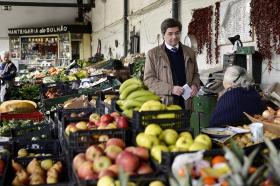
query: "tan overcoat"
158, 75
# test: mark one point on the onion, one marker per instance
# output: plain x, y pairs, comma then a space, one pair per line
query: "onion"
278, 113
276, 120
267, 114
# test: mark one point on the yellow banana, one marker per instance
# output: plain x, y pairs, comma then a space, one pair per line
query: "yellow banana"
129, 89
139, 93
129, 82
128, 104
128, 113
147, 98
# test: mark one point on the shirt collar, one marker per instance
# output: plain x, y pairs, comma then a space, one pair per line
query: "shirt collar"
169, 47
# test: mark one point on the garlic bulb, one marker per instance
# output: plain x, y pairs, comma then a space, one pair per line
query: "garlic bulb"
267, 115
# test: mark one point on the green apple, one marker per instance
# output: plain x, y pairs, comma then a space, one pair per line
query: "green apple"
153, 129
184, 143
205, 139
174, 107
156, 152
118, 183
169, 136
185, 133
106, 180
46, 164
147, 141
198, 146
173, 148
156, 183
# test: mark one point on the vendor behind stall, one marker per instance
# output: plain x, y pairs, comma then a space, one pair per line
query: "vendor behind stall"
7, 75
239, 96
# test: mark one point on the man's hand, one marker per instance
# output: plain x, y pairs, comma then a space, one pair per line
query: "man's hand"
194, 90
177, 90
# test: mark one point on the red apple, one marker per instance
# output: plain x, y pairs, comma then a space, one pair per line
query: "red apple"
142, 153
78, 160
91, 125
114, 168
97, 123
92, 177
144, 168
85, 170
127, 161
106, 118
107, 172
122, 122
101, 163
94, 117
92, 152
115, 115
113, 151
116, 141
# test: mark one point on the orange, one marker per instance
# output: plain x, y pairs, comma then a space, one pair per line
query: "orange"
252, 170
224, 183
218, 159
181, 172
209, 180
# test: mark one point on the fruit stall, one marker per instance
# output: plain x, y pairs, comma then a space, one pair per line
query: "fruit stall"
100, 132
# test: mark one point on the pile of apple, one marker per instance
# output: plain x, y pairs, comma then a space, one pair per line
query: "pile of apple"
37, 172
24, 153
97, 121
105, 159
157, 140
108, 180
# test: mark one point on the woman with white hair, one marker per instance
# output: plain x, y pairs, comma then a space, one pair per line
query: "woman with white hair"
239, 96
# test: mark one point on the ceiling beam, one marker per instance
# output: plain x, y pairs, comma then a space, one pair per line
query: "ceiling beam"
14, 3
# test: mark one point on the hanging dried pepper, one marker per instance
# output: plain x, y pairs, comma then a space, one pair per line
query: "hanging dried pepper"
265, 19
201, 28
217, 31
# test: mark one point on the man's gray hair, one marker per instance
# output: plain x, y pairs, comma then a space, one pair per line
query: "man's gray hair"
237, 76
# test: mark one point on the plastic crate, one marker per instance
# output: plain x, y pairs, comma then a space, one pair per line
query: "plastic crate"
65, 178
49, 103
33, 132
6, 158
48, 148
142, 119
65, 114
167, 158
140, 180
63, 88
85, 138
35, 116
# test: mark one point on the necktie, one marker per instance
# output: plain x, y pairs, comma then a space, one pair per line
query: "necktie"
174, 49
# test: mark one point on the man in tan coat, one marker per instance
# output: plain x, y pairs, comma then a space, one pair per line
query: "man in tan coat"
170, 66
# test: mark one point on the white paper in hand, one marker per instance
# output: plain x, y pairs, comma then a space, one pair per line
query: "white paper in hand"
187, 92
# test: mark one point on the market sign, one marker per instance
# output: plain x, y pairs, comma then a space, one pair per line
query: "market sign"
50, 30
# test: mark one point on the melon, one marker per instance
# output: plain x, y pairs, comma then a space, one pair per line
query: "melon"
18, 106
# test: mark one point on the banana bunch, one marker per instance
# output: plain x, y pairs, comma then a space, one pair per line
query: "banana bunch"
133, 95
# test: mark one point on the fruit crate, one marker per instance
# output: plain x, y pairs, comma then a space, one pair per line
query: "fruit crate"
85, 138
35, 116
167, 158
48, 104
179, 120
140, 180
34, 132
4, 158
72, 115
63, 88
50, 148
65, 178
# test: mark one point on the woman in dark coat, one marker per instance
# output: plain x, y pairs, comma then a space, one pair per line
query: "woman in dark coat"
239, 96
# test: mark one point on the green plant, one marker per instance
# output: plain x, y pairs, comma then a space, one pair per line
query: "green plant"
273, 161
240, 165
